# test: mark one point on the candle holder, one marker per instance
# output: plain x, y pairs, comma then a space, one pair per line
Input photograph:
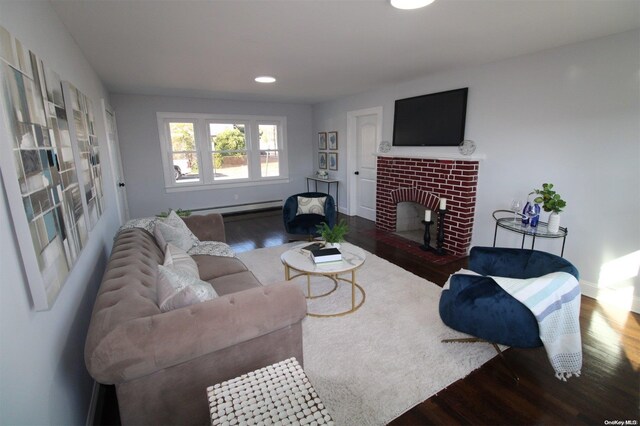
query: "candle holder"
440, 238
427, 236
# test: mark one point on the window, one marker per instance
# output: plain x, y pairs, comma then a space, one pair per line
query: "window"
201, 151
184, 154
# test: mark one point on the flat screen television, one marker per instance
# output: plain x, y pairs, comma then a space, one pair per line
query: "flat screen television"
436, 119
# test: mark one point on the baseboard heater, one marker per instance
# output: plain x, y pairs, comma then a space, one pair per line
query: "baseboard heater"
240, 208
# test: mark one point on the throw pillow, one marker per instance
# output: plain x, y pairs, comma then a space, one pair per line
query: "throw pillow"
177, 289
212, 248
175, 231
179, 260
311, 205
162, 243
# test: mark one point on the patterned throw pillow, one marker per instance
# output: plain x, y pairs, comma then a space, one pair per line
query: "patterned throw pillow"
178, 260
146, 223
177, 289
176, 232
212, 248
311, 205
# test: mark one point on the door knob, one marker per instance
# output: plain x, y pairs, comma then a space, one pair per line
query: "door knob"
356, 173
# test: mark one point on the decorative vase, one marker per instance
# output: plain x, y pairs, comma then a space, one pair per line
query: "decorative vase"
531, 214
554, 223
332, 245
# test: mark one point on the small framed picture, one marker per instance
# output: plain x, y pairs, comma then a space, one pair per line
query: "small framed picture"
333, 140
333, 161
322, 140
322, 160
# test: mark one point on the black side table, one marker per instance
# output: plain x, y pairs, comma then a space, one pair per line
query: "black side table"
541, 231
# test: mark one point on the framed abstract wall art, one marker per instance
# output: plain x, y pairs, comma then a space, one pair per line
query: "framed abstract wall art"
39, 170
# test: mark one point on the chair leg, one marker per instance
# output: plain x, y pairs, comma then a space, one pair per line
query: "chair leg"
495, 346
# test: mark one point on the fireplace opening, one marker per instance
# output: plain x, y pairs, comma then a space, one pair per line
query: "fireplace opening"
409, 217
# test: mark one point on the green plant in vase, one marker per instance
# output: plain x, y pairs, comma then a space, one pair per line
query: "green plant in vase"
551, 202
333, 236
179, 212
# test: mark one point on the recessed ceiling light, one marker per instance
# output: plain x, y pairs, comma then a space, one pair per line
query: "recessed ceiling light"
265, 79
410, 4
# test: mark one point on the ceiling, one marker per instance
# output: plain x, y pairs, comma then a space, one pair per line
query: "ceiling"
317, 49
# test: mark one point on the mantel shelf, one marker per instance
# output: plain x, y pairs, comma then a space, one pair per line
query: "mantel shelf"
439, 156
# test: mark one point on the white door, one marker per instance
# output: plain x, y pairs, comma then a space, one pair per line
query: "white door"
116, 165
365, 130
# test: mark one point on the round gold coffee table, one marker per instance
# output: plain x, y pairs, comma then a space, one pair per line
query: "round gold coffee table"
300, 260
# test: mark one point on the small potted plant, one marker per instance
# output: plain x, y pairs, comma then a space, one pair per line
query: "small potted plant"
551, 202
333, 236
179, 212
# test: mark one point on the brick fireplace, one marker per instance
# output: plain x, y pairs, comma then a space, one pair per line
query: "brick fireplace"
425, 181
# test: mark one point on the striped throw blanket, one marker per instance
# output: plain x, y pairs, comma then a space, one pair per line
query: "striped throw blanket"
554, 299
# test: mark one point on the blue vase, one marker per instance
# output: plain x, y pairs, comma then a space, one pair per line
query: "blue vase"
525, 214
531, 214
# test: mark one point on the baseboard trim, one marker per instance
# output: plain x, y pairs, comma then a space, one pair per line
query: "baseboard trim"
93, 404
592, 290
238, 208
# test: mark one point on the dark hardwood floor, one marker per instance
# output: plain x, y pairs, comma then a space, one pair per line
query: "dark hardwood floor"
608, 390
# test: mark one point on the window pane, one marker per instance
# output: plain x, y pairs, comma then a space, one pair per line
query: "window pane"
185, 167
227, 137
230, 166
184, 155
268, 136
182, 137
269, 163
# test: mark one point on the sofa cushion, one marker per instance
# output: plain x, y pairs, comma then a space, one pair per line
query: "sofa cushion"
211, 267
314, 205
233, 283
178, 260
177, 289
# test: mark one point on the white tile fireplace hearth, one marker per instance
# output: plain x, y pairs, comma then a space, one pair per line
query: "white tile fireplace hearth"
424, 181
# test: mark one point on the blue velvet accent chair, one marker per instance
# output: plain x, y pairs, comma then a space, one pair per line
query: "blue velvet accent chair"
305, 224
478, 306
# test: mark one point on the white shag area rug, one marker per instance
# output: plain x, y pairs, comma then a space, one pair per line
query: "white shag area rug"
373, 365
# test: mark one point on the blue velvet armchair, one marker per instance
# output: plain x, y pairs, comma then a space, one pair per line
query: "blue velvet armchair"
478, 306
305, 224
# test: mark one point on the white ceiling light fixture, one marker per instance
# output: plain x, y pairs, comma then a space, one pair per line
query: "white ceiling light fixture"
410, 4
265, 79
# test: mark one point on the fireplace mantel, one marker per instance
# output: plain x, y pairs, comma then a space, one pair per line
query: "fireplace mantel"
432, 153
452, 156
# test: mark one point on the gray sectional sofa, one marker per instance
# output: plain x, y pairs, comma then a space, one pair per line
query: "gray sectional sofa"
161, 363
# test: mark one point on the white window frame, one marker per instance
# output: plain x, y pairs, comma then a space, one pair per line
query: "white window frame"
204, 150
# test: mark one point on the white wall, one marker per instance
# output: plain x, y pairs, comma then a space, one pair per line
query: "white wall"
570, 116
141, 157
43, 379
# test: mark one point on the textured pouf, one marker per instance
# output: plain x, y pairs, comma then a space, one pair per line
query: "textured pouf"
279, 394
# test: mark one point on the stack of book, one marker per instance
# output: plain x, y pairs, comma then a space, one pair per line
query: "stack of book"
324, 255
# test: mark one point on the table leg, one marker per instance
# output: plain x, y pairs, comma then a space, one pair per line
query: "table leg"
287, 272
353, 289
308, 285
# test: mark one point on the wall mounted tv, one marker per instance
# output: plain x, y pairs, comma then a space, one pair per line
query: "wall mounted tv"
436, 119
